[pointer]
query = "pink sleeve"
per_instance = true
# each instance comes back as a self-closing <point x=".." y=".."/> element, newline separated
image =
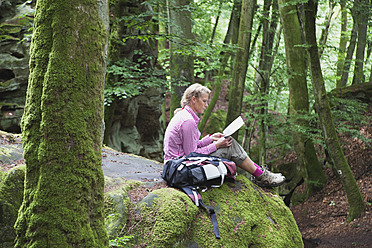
<point x="190" y="140"/>
<point x="207" y="149"/>
<point x="204" y="141"/>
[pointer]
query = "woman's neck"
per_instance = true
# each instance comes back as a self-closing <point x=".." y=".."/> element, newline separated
<point x="192" y="108"/>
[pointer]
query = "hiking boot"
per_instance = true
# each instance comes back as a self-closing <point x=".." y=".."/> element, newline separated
<point x="269" y="179"/>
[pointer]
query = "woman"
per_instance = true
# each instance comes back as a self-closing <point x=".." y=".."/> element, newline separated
<point x="182" y="137"/>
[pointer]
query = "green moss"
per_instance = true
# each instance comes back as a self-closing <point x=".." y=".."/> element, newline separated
<point x="116" y="214"/>
<point x="11" y="195"/>
<point x="251" y="217"/>
<point x="247" y="217"/>
<point x="117" y="205"/>
<point x="166" y="215"/>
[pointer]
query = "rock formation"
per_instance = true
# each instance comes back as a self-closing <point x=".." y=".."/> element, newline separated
<point x="135" y="124"/>
<point x="16" y="20"/>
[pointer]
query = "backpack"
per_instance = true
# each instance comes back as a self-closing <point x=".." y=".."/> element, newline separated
<point x="196" y="171"/>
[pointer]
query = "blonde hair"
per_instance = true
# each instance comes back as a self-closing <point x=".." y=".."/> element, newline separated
<point x="196" y="90"/>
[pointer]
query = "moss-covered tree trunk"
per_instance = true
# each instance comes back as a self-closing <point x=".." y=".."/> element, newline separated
<point x="237" y="84"/>
<point x="355" y="200"/>
<point x="182" y="59"/>
<point x="61" y="127"/>
<point x="310" y="166"/>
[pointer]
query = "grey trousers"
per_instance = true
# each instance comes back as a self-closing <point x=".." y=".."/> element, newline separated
<point x="235" y="153"/>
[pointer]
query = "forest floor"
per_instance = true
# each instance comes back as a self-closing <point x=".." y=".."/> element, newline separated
<point x="322" y="218"/>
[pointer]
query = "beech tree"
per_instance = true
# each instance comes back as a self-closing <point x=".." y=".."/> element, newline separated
<point x="309" y="164"/>
<point x="355" y="200"/>
<point x="63" y="203"/>
<point x="230" y="33"/>
<point x="360" y="11"/>
<point x="181" y="63"/>
<point x="237" y="84"/>
<point x="264" y="69"/>
<point x="342" y="43"/>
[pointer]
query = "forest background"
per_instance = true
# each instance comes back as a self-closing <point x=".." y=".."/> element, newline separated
<point x="274" y="61"/>
<point x="299" y="72"/>
<point x="270" y="54"/>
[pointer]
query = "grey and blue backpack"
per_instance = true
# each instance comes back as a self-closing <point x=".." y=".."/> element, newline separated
<point x="199" y="171"/>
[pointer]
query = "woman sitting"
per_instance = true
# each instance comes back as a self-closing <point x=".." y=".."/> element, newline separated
<point x="182" y="136"/>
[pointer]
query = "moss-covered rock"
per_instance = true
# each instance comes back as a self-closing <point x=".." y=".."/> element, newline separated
<point x="117" y="204"/>
<point x="247" y="217"/>
<point x="11" y="195"/>
<point x="164" y="218"/>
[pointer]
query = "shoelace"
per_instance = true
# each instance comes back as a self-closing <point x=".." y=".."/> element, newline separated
<point x="265" y="167"/>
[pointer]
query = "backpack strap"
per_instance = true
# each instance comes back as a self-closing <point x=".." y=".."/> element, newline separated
<point x="195" y="196"/>
<point x="221" y="174"/>
<point x="213" y="216"/>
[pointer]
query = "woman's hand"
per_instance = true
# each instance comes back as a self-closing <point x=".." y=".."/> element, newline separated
<point x="223" y="142"/>
<point x="216" y="136"/>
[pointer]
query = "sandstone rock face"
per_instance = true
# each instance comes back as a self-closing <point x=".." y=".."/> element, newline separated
<point x="136" y="125"/>
<point x="16" y="20"/>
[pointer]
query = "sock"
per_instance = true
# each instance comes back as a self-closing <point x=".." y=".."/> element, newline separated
<point x="258" y="171"/>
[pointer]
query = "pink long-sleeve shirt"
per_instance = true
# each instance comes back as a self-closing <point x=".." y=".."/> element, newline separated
<point x="182" y="136"/>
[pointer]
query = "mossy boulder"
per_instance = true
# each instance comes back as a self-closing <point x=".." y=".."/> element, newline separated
<point x="247" y="216"/>
<point x="11" y="195"/>
<point x="117" y="204"/>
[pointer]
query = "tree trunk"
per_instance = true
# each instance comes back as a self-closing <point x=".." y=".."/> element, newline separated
<point x="361" y="8"/>
<point x="237" y="84"/>
<point x="342" y="44"/>
<point x="355" y="200"/>
<point x="219" y="81"/>
<point x="63" y="203"/>
<point x="349" y="55"/>
<point x="264" y="69"/>
<point x="325" y="31"/>
<point x="181" y="64"/>
<point x="310" y="166"/>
